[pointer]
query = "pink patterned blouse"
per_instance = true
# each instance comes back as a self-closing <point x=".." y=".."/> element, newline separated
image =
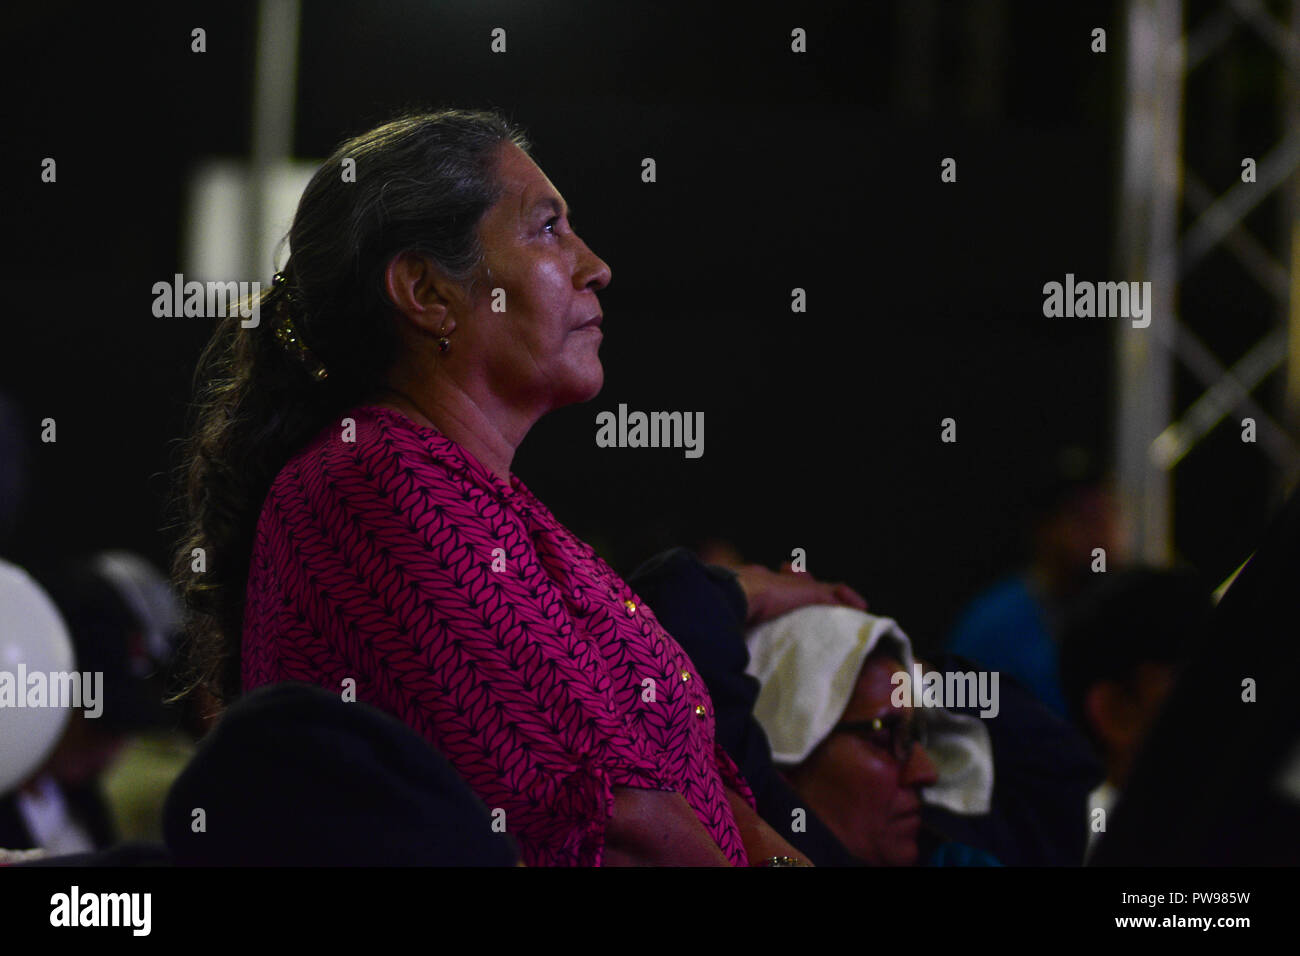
<point x="461" y="605"/>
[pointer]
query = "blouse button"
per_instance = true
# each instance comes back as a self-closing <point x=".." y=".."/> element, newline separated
<point x="686" y="675"/>
<point x="631" y="606"/>
<point x="700" y="711"/>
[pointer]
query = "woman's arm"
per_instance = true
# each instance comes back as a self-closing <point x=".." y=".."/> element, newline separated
<point x="772" y="593"/>
<point x="704" y="609"/>
<point x="657" y="828"/>
<point x="761" y="841"/>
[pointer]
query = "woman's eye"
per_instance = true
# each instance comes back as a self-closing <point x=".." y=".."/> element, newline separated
<point x="550" y="223"/>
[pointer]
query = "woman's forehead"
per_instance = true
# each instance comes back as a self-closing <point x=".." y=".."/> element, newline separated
<point x="525" y="183"/>
<point x="873" y="688"/>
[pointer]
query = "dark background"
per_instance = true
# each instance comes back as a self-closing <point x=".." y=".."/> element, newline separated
<point x="775" y="170"/>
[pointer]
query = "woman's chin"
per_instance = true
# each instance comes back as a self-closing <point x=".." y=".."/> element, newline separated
<point x="582" y="388"/>
<point x="594" y="381"/>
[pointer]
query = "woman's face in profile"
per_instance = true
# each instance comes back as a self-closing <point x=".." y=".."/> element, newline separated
<point x="541" y="352"/>
<point x="869" y="799"/>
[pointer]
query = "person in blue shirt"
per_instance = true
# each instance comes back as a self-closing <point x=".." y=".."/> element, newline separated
<point x="1014" y="627"/>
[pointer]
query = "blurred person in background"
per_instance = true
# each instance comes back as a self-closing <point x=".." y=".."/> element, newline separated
<point x="293" y="775"/>
<point x="33" y="640"/>
<point x="1122" y="651"/>
<point x="1014" y="627"/>
<point x="1044" y="768"/>
<point x="1216" y="781"/>
<point x="136" y="784"/>
<point x="862" y="761"/>
<point x="866" y="777"/>
<point x="121" y="617"/>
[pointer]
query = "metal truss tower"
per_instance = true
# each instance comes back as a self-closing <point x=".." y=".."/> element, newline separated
<point x="1162" y="50"/>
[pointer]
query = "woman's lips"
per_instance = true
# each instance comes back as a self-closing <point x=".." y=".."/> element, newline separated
<point x="910" y="815"/>
<point x="909" y="822"/>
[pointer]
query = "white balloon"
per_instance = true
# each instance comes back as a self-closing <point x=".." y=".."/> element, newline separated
<point x="31" y="634"/>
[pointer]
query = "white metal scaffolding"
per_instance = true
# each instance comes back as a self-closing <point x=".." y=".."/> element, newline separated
<point x="1155" y="184"/>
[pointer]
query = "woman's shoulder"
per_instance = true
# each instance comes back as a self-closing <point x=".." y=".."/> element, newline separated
<point x="378" y="447"/>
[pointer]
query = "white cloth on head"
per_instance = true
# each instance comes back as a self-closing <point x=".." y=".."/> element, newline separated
<point x="807" y="663"/>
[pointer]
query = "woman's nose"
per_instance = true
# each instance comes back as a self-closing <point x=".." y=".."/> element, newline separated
<point x="919" y="771"/>
<point x="593" y="272"/>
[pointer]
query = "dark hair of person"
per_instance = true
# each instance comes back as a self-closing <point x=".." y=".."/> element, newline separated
<point x="422" y="183"/>
<point x="1132" y="617"/>
<point x="1057" y="483"/>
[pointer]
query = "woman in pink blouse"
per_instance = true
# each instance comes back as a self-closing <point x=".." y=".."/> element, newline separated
<point x="353" y="521"/>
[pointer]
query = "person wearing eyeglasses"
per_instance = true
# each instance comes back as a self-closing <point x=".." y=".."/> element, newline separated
<point x="865" y="778"/>
<point x="864" y="762"/>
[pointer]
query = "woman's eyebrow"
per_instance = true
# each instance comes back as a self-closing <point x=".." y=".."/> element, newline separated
<point x="555" y="206"/>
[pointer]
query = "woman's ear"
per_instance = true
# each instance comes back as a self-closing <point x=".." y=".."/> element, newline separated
<point x="417" y="290"/>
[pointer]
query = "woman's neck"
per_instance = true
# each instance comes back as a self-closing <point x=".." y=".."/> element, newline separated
<point x="454" y="413"/>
